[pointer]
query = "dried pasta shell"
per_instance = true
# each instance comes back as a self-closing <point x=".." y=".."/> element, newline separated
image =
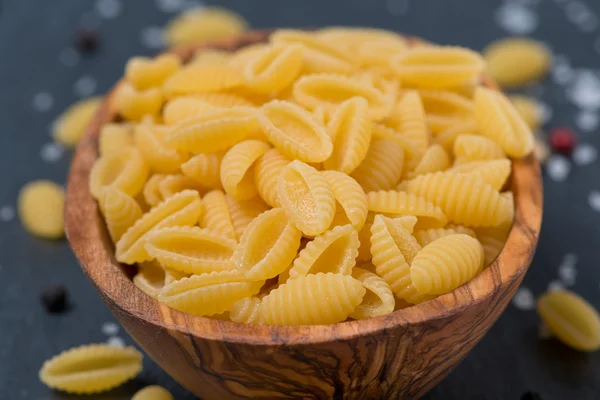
<point x="114" y="138"/>
<point x="529" y="109"/>
<point x="91" y="369"/>
<point x="266" y="175"/>
<point x="475" y="147"/>
<point x="312" y="300"/>
<point x="120" y="211"/>
<point x="158" y="154"/>
<point x="268" y="245"/>
<point x="202" y="78"/>
<point x="464" y="198"/>
<point x="182" y="108"/>
<point x="571" y="319"/>
<point x="438" y="67"/>
<point x="144" y="73"/>
<point x="214" y="131"/>
<point x="378" y="299"/>
<point x="426" y="236"/>
<point x="446" y="263"/>
<point x="208" y="294"/>
<point x="447" y="137"/>
<point x="314" y="90"/>
<point x="435" y="159"/>
<point x="350" y="197"/>
<point x="125" y="170"/>
<point x="445" y="108"/>
<point x="211" y="57"/>
<point x="498" y="120"/>
<point x="275" y="68"/>
<point x="134" y="104"/>
<point x="41" y="205"/>
<point x="173" y="184"/>
<point x="153" y="392"/>
<point x="223" y="100"/>
<point x="179" y="210"/>
<point x="382" y="167"/>
<point x="246" y="311"/>
<point x="294" y="132"/>
<point x="72" y="123"/>
<point x="334" y="251"/>
<point x="379" y="51"/>
<point x="399" y="203"/>
<point x="151" y="193"/>
<point x="217" y="218"/>
<point x="190" y="249"/>
<point x="493" y="172"/>
<point x="493" y="240"/>
<point x="237" y="176"/>
<point x="412" y="151"/>
<point x="350" y="127"/>
<point x="150" y="278"/>
<point x="306" y="197"/>
<point x="205" y="168"/>
<point x="242" y="213"/>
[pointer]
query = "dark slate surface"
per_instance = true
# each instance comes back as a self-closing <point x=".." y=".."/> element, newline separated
<point x="508" y="362"/>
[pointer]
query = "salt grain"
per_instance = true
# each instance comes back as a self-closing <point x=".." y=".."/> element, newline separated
<point x="587" y="120"/>
<point x="585" y="90"/>
<point x="7" y="213"/>
<point x="52" y="152"/>
<point x="524" y="299"/>
<point x="68" y="57"/>
<point x="558" y="168"/>
<point x="585" y="154"/>
<point x="108" y="9"/>
<point x="116" y="341"/>
<point x="567" y="274"/>
<point x="397" y="7"/>
<point x="562" y="72"/>
<point x="516" y="19"/>
<point x="152" y="37"/>
<point x="545" y="111"/>
<point x="110" y="328"/>
<point x="85" y="86"/>
<point x="577" y="12"/>
<point x="594" y="200"/>
<point x="42" y="101"/>
<point x="555" y="286"/>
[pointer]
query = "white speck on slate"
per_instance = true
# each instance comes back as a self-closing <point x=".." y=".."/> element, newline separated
<point x="577" y="12"/>
<point x="589" y="24"/>
<point x="152" y="37"/>
<point x="85" y="86"/>
<point x="585" y="154"/>
<point x="52" y="152"/>
<point x="43" y="101"/>
<point x="108" y="9"/>
<point x="585" y="90"/>
<point x="524" y="299"/>
<point x="562" y="72"/>
<point x="170" y="6"/>
<point x="545" y="111"/>
<point x="544" y="332"/>
<point x="567" y="274"/>
<point x="516" y="19"/>
<point x="555" y="286"/>
<point x="558" y="168"/>
<point x="90" y="20"/>
<point x="116" y="341"/>
<point x="594" y="200"/>
<point x="7" y="213"/>
<point x="69" y="57"/>
<point x="110" y="328"/>
<point x="397" y="7"/>
<point x="587" y="120"/>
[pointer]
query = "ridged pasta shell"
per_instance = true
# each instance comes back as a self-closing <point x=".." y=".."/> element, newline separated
<point x="205" y="168"/>
<point x="443" y="109"/>
<point x="202" y="79"/>
<point x="237" y="176"/>
<point x="312" y="300"/>
<point x="426" y="236"/>
<point x="145" y="73"/>
<point x="216" y="217"/>
<point x="182" y="108"/>
<point x="173" y="184"/>
<point x="114" y="138"/>
<point x="134" y="104"/>
<point x="242" y="213"/>
<point x="493" y="172"/>
<point x="245" y="311"/>
<point x="153" y="392"/>
<point x="266" y="175"/>
<point x="382" y="167"/>
<point x="401" y="203"/>
<point x="150" y="278"/>
<point x="91" y="369"/>
<point x="350" y="197"/>
<point x="161" y="157"/>
<point x="126" y="170"/>
<point x="475" y="148"/>
<point x="120" y="211"/>
<point x="378" y="299"/>
<point x="41" y="209"/>
<point x="446" y="263"/>
<point x="435" y="159"/>
<point x="493" y="240"/>
<point x="274" y="68"/>
<point x="447" y="137"/>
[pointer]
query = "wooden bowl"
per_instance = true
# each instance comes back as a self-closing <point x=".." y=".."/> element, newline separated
<point x="401" y="355"/>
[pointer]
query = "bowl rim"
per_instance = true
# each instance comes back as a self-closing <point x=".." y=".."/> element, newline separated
<point x="89" y="240"/>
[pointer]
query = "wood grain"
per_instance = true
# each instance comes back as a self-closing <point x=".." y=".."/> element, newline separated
<point x="398" y="356"/>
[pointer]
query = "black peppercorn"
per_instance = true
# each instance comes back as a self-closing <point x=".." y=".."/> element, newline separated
<point x="54" y="298"/>
<point x="87" y="40"/>
<point x="531" y="396"/>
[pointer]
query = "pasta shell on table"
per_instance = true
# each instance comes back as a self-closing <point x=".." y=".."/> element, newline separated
<point x="455" y="195"/>
<point x="350" y="127"/>
<point x="144" y="73"/>
<point x="306" y="197"/>
<point x="134" y="104"/>
<point x="41" y="209"/>
<point x="91" y="368"/>
<point x="208" y="294"/>
<point x="470" y="147"/>
<point x="266" y="175"/>
<point x="181" y="209"/>
<point x="378" y="299"/>
<point x="125" y="170"/>
<point x="246" y="311"/>
<point x="156" y="152"/>
<point x="444" y="109"/>
<point x="275" y="68"/>
<point x="237" y="176"/>
<point x="434" y="159"/>
<point x="120" y="211"/>
<point x="447" y="137"/>
<point x="331" y="90"/>
<point x="214" y="131"/>
<point x="268" y="246"/>
<point x="294" y="132"/>
<point x="382" y="167"/>
<point x="314" y="299"/>
<point x="190" y="250"/>
<point x="182" y="108"/>
<point x="334" y="251"/>
<point x="446" y="263"/>
<point x="426" y="236"/>
<point x="216" y="217"/>
<point x="493" y="172"/>
<point x="205" y="168"/>
<point x="71" y="125"/>
<point x="196" y="78"/>
<point x="438" y="67"/>
<point x="114" y="138"/>
<point x="498" y="120"/>
<point x="242" y="212"/>
<point x="397" y="203"/>
<point x="350" y="197"/>
<point x="153" y="392"/>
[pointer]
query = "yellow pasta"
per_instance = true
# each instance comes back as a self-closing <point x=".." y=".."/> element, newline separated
<point x="40" y="205"/>
<point x="125" y="170"/>
<point x="294" y="132"/>
<point x="179" y="210"/>
<point x="114" y="138"/>
<point x="150" y="278"/>
<point x="529" y="109"/>
<point x="135" y="104"/>
<point x="438" y="67"/>
<point x="382" y="167"/>
<point x="571" y="319"/>
<point x="182" y="108"/>
<point x="216" y="217"/>
<point x="214" y="131"/>
<point x="463" y="198"/>
<point x="426" y="236"/>
<point x="211" y="57"/>
<point x="208" y="294"/>
<point x="474" y="148"/>
<point x="91" y="369"/>
<point x="151" y="192"/>
<point x="445" y="108"/>
<point x="242" y="212"/>
<point x="447" y="137"/>
<point x="120" y="211"/>
<point x="514" y="62"/>
<point x="197" y="79"/>
<point x="159" y="155"/>
<point x="492" y="239"/>
<point x="351" y="199"/>
<point x="306" y="197"/>
<point x="246" y="311"/>
<point x="275" y="68"/>
<point x="266" y="175"/>
<point x="312" y="300"/>
<point x="144" y="73"/>
<point x="153" y="392"/>
<point x="190" y="250"/>
<point x="397" y="203"/>
<point x="205" y="168"/>
<point x="493" y="172"/>
<point x="72" y="123"/>
<point x="350" y="127"/>
<point x="378" y="299"/>
<point x="173" y="184"/>
<point x="268" y="245"/>
<point x="334" y="251"/>
<point x="237" y="176"/>
<point x="434" y="159"/>
<point x="498" y="120"/>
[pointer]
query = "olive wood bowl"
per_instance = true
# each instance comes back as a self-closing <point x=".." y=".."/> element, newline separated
<point x="400" y="355"/>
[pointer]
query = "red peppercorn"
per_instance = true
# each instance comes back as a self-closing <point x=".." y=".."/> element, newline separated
<point x="563" y="140"/>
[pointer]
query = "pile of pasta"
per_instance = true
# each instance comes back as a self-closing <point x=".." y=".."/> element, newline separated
<point x="319" y="177"/>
